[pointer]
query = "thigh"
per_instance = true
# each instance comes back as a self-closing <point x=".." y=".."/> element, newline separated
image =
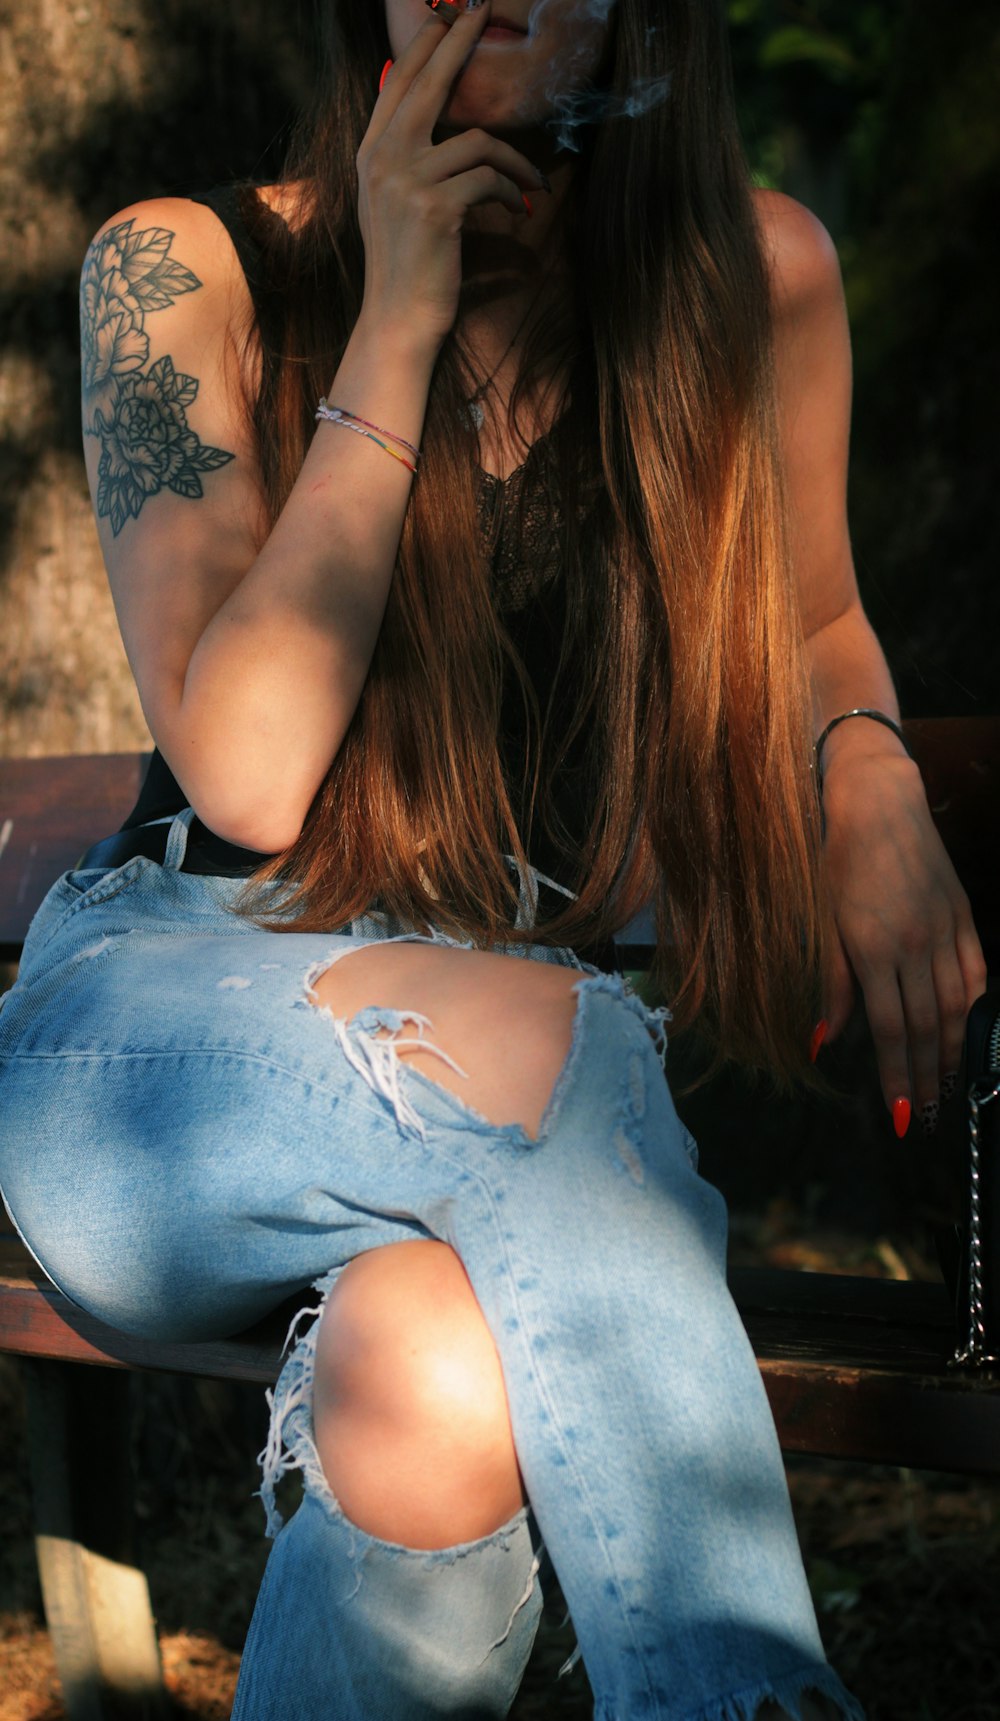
<point x="185" y="1143"/>
<point x="179" y="1127"/>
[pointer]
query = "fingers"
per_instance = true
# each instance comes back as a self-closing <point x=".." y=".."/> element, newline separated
<point x="921" y="1011"/>
<point x="918" y="1023"/>
<point x="838" y="994"/>
<point x="476" y="148"/>
<point x="908" y="936"/>
<point x="887" y="1020"/>
<point x="422" y="77"/>
<point x="486" y="185"/>
<point x="954" y="1000"/>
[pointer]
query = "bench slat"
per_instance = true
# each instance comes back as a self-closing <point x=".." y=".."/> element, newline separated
<point x="37" y="1320"/>
<point x="50" y="811"/>
<point x="853" y="1367"/>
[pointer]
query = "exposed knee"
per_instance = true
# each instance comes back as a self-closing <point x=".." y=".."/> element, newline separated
<point x="410" y="1411"/>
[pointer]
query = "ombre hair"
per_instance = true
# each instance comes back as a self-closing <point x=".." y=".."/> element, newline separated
<point x="682" y="662"/>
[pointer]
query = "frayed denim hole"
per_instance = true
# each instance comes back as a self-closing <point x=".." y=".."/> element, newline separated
<point x="371" y="1038"/>
<point x="522" y="1602"/>
<point x="450" y="1106"/>
<point x="392" y="1077"/>
<point x="449" y="1111"/>
<point x="615" y="986"/>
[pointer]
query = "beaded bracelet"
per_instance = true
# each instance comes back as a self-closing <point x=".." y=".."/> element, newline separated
<point x="859" y="711"/>
<point x="361" y="427"/>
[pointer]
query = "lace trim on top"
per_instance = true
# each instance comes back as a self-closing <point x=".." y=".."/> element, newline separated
<point x="526" y="560"/>
<point x="520" y="521"/>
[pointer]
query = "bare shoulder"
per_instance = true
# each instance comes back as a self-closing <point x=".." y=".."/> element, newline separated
<point x="152" y="257"/>
<point x="161" y="293"/>
<point x="161" y="243"/>
<point x="803" y="261"/>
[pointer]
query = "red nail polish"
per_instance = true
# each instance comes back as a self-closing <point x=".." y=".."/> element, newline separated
<point x="386" y="69"/>
<point x="527" y="205"/>
<point x="901" y="1110"/>
<point x="819" y="1035"/>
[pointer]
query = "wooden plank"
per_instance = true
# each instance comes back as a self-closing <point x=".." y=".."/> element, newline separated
<point x="40" y="1322"/>
<point x="36" y="1320"/>
<point x="813" y="1317"/>
<point x="96" y="1597"/>
<point x="924" y="1424"/>
<point x="853" y="1367"/>
<point x="50" y="811"/>
<point x="861" y="1368"/>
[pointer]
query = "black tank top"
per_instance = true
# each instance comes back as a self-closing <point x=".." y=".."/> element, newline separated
<point x="520" y="530"/>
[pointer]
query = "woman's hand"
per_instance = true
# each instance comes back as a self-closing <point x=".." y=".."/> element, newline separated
<point x="414" y="195"/>
<point x="906" y="930"/>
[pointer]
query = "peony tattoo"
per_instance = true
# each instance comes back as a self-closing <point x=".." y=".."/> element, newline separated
<point x="139" y="415"/>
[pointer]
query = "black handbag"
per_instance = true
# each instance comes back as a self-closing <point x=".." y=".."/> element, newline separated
<point x="978" y="1300"/>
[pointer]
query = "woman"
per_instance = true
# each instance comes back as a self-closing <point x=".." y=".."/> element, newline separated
<point x="537" y="622"/>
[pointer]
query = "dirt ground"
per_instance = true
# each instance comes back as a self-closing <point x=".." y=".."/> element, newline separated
<point x="904" y="1567"/>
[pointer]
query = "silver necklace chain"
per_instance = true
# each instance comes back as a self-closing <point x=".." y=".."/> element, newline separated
<point x="473" y="406"/>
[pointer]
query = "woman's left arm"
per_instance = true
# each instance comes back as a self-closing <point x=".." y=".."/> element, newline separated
<point x="906" y="930"/>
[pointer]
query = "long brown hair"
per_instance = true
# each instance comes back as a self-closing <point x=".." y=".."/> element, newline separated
<point x="682" y="662"/>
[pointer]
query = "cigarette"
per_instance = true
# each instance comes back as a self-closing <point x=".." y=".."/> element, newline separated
<point x="446" y="10"/>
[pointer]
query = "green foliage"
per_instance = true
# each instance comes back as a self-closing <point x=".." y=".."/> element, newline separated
<point x="810" y="82"/>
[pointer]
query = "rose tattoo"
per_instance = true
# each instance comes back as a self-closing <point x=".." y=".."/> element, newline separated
<point x="139" y="416"/>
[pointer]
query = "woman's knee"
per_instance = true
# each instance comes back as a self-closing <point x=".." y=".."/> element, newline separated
<point x="410" y="1411"/>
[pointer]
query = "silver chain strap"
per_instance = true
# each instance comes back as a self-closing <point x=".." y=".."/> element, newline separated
<point x="975" y="1354"/>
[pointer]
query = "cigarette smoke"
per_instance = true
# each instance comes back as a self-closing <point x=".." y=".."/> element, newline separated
<point x="574" y="100"/>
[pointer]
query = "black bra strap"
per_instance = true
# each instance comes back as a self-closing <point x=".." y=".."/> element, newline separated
<point x="225" y="201"/>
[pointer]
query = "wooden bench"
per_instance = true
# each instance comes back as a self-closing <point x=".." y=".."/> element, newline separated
<point x="854" y="1367"/>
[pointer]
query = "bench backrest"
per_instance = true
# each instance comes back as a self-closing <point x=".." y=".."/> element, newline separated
<point x="52" y="809"/>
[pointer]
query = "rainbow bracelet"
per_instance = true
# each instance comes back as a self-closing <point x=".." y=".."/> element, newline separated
<point x="362" y="427"/>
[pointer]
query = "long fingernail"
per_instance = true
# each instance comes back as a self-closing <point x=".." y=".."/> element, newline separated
<point x="527" y="204"/>
<point x="386" y="69"/>
<point x="819" y="1034"/>
<point x="948" y="1085"/>
<point x="929" y="1115"/>
<point x="901" y="1113"/>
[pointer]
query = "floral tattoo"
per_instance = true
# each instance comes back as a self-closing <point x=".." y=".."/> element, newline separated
<point x="139" y="415"/>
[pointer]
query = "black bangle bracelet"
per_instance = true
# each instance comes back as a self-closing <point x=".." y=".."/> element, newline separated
<point x="860" y="711"/>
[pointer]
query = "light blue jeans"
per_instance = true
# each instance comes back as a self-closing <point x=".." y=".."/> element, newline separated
<point x="187" y="1140"/>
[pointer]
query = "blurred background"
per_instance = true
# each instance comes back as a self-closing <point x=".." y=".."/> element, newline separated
<point x="882" y="116"/>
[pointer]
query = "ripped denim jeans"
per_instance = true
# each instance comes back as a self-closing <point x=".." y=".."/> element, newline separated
<point x="188" y="1141"/>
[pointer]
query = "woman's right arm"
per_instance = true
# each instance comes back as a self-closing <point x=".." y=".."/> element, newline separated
<point x="249" y="662"/>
